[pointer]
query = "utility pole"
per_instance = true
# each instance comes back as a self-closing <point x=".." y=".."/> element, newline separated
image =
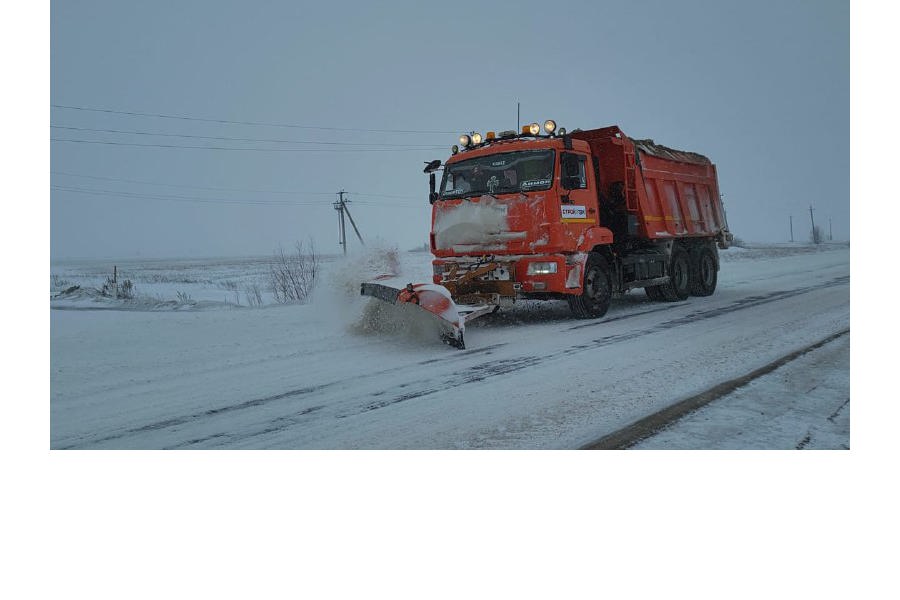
<point x="791" y="217"/>
<point x="340" y="205"/>
<point x="518" y="118"/>
<point x="811" y="220"/>
<point x="830" y="238"/>
<point x="342" y="232"/>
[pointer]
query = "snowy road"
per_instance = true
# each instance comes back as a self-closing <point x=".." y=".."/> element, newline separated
<point x="756" y="415"/>
<point x="295" y="377"/>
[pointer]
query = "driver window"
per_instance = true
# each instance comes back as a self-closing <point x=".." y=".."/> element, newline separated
<point x="574" y="175"/>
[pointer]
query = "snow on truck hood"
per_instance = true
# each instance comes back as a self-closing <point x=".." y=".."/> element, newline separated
<point x="472" y="224"/>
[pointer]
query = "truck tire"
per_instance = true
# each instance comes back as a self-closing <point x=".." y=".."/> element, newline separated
<point x="679" y="286"/>
<point x="594" y="300"/>
<point x="703" y="272"/>
<point x="653" y="292"/>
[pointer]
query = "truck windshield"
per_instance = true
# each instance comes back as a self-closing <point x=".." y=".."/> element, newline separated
<point x="499" y="174"/>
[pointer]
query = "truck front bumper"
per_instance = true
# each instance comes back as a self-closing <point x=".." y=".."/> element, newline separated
<point x="510" y="276"/>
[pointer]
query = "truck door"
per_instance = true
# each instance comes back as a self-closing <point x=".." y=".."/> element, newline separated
<point x="578" y="196"/>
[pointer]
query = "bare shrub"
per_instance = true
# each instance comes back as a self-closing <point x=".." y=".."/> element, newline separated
<point x="113" y="289"/>
<point x="183" y="297"/>
<point x="253" y="294"/>
<point x="109" y="288"/>
<point x="292" y="277"/>
<point x="126" y="290"/>
<point x="58" y="283"/>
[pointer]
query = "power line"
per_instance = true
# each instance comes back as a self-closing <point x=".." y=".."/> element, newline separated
<point x="78" y="141"/>
<point x="239" y="139"/>
<point x="385" y="196"/>
<point x="223" y="189"/>
<point x="230" y="122"/>
<point x="205" y="200"/>
<point x="176" y="198"/>
<point x="193" y="187"/>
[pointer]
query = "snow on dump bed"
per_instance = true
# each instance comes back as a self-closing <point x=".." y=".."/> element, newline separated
<point x="653" y="149"/>
<point x="470" y="223"/>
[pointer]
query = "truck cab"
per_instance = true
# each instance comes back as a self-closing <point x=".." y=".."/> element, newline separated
<point x="514" y="217"/>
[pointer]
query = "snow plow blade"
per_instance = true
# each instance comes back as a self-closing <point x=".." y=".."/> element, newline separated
<point x="434" y="299"/>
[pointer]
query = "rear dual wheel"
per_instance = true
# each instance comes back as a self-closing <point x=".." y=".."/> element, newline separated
<point x="693" y="274"/>
<point x="704" y="275"/>
<point x="679" y="285"/>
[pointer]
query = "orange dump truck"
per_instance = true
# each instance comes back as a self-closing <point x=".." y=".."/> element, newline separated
<point x="546" y="214"/>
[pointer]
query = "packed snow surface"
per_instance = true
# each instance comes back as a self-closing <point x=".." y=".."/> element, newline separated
<point x="206" y="370"/>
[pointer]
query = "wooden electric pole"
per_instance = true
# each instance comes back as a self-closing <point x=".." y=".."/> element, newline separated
<point x="341" y="206"/>
<point x="342" y="232"/>
<point x="815" y="235"/>
<point x="791" y="217"/>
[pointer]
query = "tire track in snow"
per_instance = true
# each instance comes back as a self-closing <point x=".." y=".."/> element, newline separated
<point x="475" y="374"/>
<point x="286" y="422"/>
<point x="834" y="415"/>
<point x="747" y="302"/>
<point x="248" y="404"/>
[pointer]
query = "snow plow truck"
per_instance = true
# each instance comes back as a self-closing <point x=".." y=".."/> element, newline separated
<point x="543" y="213"/>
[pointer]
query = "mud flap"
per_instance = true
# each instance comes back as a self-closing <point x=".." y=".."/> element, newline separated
<point x="433" y="299"/>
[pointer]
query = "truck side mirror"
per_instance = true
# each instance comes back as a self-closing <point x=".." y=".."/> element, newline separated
<point x="432" y="195"/>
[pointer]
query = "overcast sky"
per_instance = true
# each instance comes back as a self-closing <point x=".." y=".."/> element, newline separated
<point x="761" y="88"/>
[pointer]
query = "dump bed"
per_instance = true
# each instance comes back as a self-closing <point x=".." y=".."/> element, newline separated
<point x="670" y="193"/>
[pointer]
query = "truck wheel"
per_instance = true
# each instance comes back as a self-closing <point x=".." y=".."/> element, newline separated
<point x="703" y="273"/>
<point x="679" y="286"/>
<point x="593" y="302"/>
<point x="653" y="292"/>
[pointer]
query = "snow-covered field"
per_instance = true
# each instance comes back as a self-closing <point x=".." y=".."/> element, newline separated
<point x="189" y="363"/>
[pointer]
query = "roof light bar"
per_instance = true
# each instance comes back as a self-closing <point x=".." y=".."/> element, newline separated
<point x="469" y="140"/>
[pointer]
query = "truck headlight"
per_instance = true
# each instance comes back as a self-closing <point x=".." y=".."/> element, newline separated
<point x="549" y="125"/>
<point x="534" y="128"/>
<point x="476" y="138"/>
<point x="541" y="268"/>
<point x="464" y="140"/>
